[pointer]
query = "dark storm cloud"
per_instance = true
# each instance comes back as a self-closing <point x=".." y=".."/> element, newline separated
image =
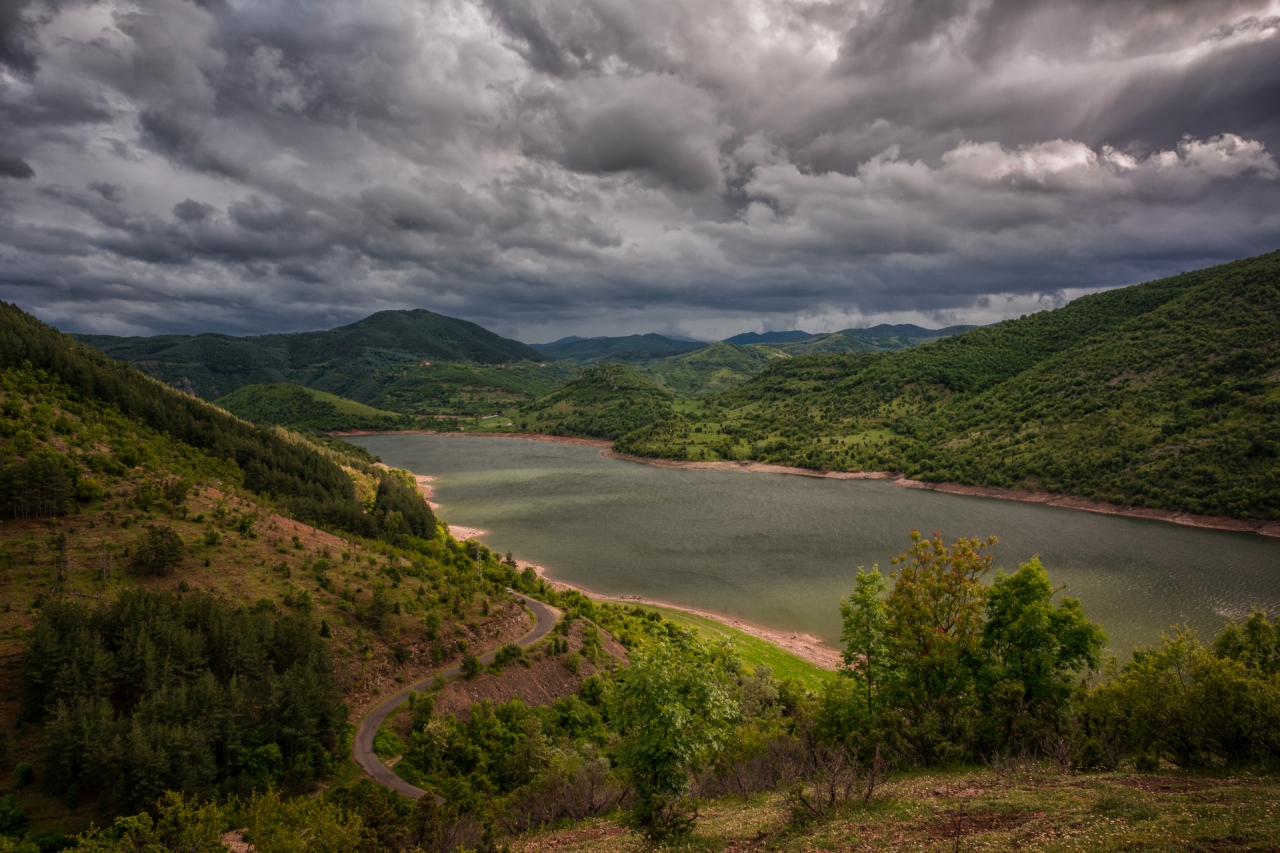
<point x="548" y="167"/>
<point x="15" y="167"/>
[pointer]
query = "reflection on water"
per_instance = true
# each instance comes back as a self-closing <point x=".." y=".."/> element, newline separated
<point x="781" y="550"/>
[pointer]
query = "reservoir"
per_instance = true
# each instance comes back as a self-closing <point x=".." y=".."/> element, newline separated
<point x="782" y="550"/>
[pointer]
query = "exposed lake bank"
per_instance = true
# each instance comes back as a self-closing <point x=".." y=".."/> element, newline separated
<point x="780" y="552"/>
<point x="804" y="646"/>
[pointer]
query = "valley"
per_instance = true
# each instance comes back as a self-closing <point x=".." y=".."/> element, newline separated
<point x="210" y="584"/>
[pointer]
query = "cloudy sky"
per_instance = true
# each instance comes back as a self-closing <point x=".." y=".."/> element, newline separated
<point x="554" y="167"/>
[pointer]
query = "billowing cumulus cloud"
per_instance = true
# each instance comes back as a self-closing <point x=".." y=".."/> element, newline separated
<point x="548" y="167"/>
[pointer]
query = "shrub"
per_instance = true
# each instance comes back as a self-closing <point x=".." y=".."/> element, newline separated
<point x="158" y="551"/>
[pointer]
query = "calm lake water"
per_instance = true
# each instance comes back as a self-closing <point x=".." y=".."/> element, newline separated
<point x="781" y="550"/>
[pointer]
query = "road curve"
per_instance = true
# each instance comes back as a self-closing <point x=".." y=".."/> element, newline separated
<point x="545" y="618"/>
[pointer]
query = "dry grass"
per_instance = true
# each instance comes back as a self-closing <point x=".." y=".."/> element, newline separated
<point x="1039" y="810"/>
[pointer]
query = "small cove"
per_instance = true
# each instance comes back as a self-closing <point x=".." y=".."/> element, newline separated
<point x="781" y="550"/>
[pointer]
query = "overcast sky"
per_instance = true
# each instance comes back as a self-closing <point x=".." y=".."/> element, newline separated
<point x="617" y="166"/>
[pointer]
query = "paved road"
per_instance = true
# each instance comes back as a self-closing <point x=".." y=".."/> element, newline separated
<point x="545" y="618"/>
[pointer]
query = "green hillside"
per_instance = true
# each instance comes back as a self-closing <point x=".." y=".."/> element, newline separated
<point x="629" y="348"/>
<point x="189" y="599"/>
<point x="606" y="401"/>
<point x="881" y="338"/>
<point x="1163" y="394"/>
<point x="286" y="404"/>
<point x="716" y="368"/>
<point x="460" y="388"/>
<point x="354" y="361"/>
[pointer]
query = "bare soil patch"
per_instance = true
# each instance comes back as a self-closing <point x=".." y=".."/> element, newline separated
<point x="959" y="823"/>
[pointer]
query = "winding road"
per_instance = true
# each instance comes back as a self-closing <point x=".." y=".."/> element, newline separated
<point x="544" y="617"/>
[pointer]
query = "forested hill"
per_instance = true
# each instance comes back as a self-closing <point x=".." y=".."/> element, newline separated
<point x="628" y="348"/>
<point x="344" y="361"/>
<point x="1164" y="394"/>
<point x="607" y="401"/>
<point x="299" y="478"/>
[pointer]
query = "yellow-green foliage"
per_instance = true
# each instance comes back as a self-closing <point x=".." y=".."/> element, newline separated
<point x="753" y="651"/>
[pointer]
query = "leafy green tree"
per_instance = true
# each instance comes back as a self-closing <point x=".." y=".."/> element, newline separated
<point x="277" y="824"/>
<point x="935" y="617"/>
<point x="403" y="509"/>
<point x="1254" y="642"/>
<point x="868" y="657"/>
<point x="1183" y="703"/>
<point x="380" y="607"/>
<point x="675" y="709"/>
<point x="181" y="825"/>
<point x="1033" y="653"/>
<point x="158" y="551"/>
<point x="13" y="819"/>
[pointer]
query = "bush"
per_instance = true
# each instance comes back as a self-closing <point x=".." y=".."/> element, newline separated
<point x="508" y="653"/>
<point x="159" y="551"/>
<point x="13" y="820"/>
<point x="23" y="774"/>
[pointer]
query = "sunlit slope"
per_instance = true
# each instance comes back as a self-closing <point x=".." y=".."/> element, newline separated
<point x="286" y="404"/>
<point x="607" y="401"/>
<point x="1163" y="394"/>
<point x="465" y="388"/>
<point x="882" y="338"/>
<point x="716" y="368"/>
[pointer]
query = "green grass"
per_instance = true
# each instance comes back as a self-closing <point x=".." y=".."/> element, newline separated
<point x="752" y="650"/>
<point x="1034" y="808"/>
<point x="290" y="405"/>
<point x="349" y="407"/>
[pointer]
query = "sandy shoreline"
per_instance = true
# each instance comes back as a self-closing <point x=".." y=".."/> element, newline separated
<point x="1186" y="519"/>
<point x="804" y="646"/>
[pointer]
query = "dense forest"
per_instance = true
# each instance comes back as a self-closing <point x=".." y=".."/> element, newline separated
<point x="311" y="485"/>
<point x="161" y="692"/>
<point x="1161" y="395"/>
<point x="607" y="401"/>
<point x="346" y="361"/>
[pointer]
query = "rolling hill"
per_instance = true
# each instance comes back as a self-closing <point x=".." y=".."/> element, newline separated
<point x="710" y="370"/>
<point x="191" y="599"/>
<point x="351" y="361"/>
<point x="1163" y="394"/>
<point x="606" y="401"/>
<point x="629" y="348"/>
<point x="299" y="407"/>
<point x="768" y="338"/>
<point x="882" y="338"/>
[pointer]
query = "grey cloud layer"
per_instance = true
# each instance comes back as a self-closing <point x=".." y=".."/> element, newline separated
<point x="603" y="166"/>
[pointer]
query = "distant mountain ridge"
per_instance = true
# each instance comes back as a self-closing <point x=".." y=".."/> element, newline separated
<point x="626" y="348"/>
<point x="343" y="361"/>
<point x="905" y="330"/>
<point x="768" y="337"/>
